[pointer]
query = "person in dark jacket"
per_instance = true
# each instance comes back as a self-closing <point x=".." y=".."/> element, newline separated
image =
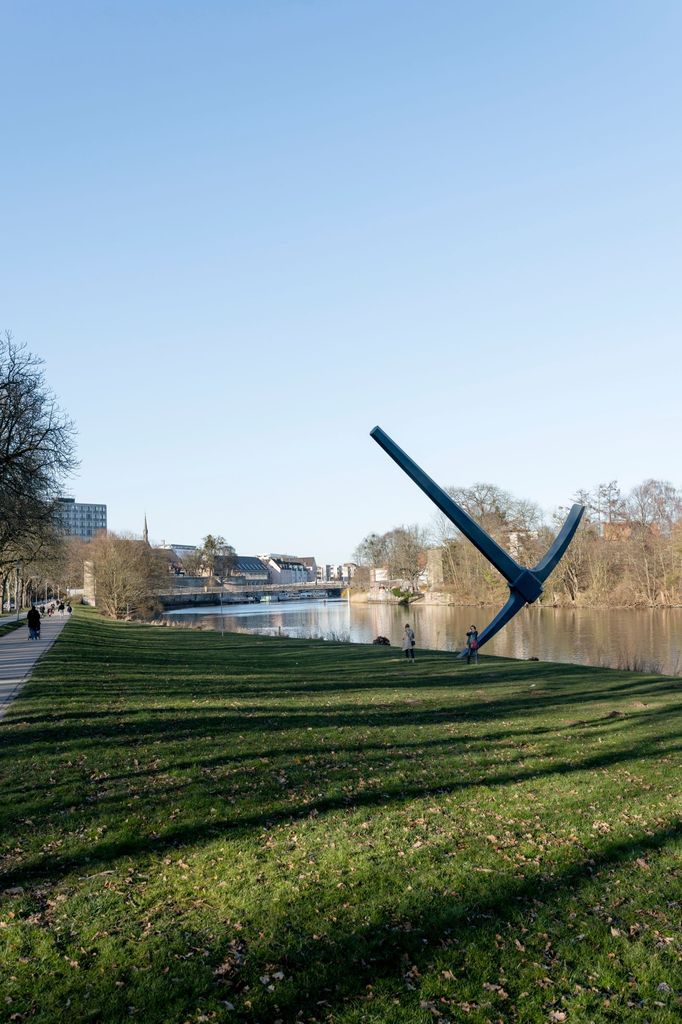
<point x="472" y="645"/>
<point x="33" y="621"/>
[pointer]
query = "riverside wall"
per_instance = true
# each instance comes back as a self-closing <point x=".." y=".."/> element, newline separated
<point x="435" y="598"/>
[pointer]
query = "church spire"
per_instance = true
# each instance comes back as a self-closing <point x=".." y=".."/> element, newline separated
<point x="145" y="532"/>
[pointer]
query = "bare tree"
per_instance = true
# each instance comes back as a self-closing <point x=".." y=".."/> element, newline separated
<point x="406" y="550"/>
<point x="128" y="574"/>
<point x="372" y="551"/>
<point x="655" y="503"/>
<point x="36" y="454"/>
<point x="612" y="506"/>
<point x="192" y="563"/>
<point x="496" y="510"/>
<point x="402" y="551"/>
<point x="605" y="504"/>
<point x="361" y="578"/>
<point x="573" y="571"/>
<point x="637" y="562"/>
<point x="513" y="522"/>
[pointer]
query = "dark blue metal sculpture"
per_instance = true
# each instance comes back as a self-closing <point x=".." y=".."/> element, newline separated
<point x="525" y="585"/>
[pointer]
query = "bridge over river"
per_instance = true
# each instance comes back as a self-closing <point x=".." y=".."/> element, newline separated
<point x="187" y="597"/>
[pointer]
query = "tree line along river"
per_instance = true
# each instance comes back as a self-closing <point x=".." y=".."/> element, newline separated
<point x="615" y="638"/>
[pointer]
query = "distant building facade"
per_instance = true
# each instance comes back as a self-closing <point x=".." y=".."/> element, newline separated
<point x="311" y="565"/>
<point x="79" y="519"/>
<point x="289" y="568"/>
<point x="336" y="573"/>
<point x="179" y="550"/>
<point x="249" y="569"/>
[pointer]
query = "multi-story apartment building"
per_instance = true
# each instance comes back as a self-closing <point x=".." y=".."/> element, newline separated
<point x="336" y="573"/>
<point x="289" y="568"/>
<point x="82" y="520"/>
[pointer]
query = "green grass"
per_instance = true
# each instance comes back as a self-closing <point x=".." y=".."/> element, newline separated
<point x="9" y="625"/>
<point x="196" y="828"/>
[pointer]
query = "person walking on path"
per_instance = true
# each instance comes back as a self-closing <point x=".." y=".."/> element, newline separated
<point x="33" y="621"/>
<point x="472" y="645"/>
<point x="408" y="642"/>
<point x="17" y="658"/>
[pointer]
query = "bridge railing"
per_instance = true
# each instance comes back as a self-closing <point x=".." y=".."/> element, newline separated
<point x="261" y="588"/>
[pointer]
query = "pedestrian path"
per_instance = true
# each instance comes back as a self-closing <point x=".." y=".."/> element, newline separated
<point x="18" y="655"/>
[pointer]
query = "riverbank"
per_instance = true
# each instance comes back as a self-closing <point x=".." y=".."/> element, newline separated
<point x="454" y="599"/>
<point x="647" y="641"/>
<point x="206" y="828"/>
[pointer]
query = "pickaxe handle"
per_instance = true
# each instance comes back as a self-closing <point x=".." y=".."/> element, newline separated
<point x="525" y="584"/>
<point x="502" y="561"/>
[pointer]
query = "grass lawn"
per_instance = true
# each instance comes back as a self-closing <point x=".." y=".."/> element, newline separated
<point x="196" y="828"/>
<point x="9" y="625"/>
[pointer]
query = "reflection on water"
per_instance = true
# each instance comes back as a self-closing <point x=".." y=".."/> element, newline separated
<point x="619" y="638"/>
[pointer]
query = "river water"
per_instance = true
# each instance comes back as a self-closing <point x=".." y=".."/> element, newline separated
<point x="618" y="638"/>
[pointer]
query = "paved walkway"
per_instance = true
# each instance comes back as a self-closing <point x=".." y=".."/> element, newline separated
<point x="18" y="655"/>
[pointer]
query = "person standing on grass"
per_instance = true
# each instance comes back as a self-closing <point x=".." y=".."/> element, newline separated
<point x="408" y="642"/>
<point x="472" y="645"/>
<point x="33" y="622"/>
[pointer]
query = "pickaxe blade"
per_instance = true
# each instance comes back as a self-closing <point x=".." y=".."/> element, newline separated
<point x="525" y="584"/>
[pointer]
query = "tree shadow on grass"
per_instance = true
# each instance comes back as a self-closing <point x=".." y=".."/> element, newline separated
<point x="186" y="719"/>
<point x="379" y="950"/>
<point x="509" y="740"/>
<point x="500" y="718"/>
<point x="516" y="737"/>
<point x="192" y="969"/>
<point x="104" y="853"/>
<point x="143" y="830"/>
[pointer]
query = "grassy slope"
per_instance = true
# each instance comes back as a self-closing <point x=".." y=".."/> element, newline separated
<point x="204" y="829"/>
<point x="8" y="626"/>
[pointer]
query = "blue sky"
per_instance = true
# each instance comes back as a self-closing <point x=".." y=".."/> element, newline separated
<point x="242" y="234"/>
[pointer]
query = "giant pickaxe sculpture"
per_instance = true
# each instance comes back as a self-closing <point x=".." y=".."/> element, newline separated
<point x="525" y="585"/>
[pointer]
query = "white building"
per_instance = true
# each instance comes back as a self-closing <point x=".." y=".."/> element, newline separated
<point x="288" y="568"/>
<point x="336" y="573"/>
